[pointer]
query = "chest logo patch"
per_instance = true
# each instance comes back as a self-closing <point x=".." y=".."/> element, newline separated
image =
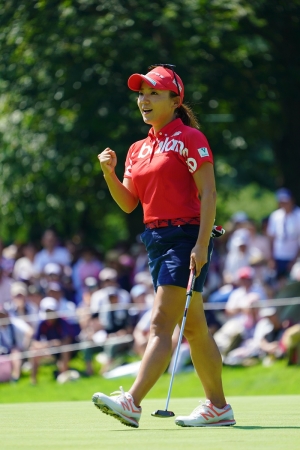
<point x="203" y="151"/>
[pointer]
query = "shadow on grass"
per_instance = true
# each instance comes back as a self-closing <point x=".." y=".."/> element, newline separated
<point x="189" y="428"/>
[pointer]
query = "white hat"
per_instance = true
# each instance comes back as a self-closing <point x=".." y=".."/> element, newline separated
<point x="108" y="274"/>
<point x="138" y="290"/>
<point x="267" y="312"/>
<point x="52" y="269"/>
<point x="18" y="288"/>
<point x="48" y="303"/>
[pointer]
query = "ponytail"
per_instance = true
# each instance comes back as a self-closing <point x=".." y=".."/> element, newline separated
<point x="186" y="114"/>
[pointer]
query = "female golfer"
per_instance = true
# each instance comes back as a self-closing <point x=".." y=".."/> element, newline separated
<point x="171" y="174"/>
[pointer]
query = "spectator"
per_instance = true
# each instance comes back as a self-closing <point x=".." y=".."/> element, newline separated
<point x="284" y="232"/>
<point x="51" y="332"/>
<point x="108" y="278"/>
<point x="7" y="258"/>
<point x="138" y="294"/>
<point x="15" y="337"/>
<point x="64" y="306"/>
<point x="237" y="300"/>
<point x="271" y="344"/>
<point x="88" y="265"/>
<point x="110" y="328"/>
<point x="51" y="253"/>
<point x="5" y="288"/>
<point x="235" y="328"/>
<point x="24" y="268"/>
<point x="21" y="306"/>
<point x="239" y="254"/>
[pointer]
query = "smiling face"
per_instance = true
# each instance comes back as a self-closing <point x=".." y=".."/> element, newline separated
<point x="156" y="106"/>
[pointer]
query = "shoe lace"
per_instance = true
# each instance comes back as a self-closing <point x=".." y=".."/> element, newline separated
<point x="120" y="393"/>
<point x="199" y="409"/>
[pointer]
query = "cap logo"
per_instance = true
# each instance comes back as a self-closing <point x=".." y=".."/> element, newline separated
<point x="158" y="75"/>
<point x="150" y="79"/>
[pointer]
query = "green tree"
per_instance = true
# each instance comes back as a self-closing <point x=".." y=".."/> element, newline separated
<point x="64" y="97"/>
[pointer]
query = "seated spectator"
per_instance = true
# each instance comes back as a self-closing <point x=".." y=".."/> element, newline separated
<point x="138" y="294"/>
<point x="15" y="337"/>
<point x="50" y="253"/>
<point x="21" y="306"/>
<point x="51" y="332"/>
<point x="240" y="322"/>
<point x="238" y="300"/>
<point x="291" y="342"/>
<point x="239" y="255"/>
<point x="141" y="334"/>
<point x="88" y="265"/>
<point x="109" y="327"/>
<point x="7" y="258"/>
<point x="23" y="267"/>
<point x="64" y="306"/>
<point x="108" y="278"/>
<point x="271" y="344"/>
<point x="5" y="288"/>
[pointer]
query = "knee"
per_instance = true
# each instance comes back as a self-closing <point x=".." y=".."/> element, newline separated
<point x="161" y="325"/>
<point x="199" y="332"/>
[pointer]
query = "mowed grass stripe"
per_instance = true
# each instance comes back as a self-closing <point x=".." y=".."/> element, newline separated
<point x="263" y="422"/>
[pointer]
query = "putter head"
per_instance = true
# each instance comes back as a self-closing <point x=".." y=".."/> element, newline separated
<point x="162" y="413"/>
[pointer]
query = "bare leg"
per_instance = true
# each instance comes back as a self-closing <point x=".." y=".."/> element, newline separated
<point x="167" y="311"/>
<point x="204" y="352"/>
<point x="168" y="308"/>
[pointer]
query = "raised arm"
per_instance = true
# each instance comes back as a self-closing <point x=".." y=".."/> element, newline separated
<point x="124" y="194"/>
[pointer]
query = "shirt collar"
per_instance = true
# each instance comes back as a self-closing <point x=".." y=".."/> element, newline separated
<point x="167" y="130"/>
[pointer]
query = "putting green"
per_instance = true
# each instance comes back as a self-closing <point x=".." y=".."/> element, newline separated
<point x="264" y="422"/>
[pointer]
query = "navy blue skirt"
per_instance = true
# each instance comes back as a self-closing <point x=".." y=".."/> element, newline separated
<point x="169" y="251"/>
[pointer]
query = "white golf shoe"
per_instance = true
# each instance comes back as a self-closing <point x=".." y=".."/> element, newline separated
<point x="207" y="415"/>
<point x="120" y="406"/>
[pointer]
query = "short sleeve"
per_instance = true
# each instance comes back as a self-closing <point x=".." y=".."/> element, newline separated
<point x="198" y="150"/>
<point x="128" y="164"/>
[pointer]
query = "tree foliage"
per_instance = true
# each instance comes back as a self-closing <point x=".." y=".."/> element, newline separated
<point x="64" y="66"/>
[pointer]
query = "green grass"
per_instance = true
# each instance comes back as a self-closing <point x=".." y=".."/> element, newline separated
<point x="278" y="379"/>
<point x="263" y="422"/>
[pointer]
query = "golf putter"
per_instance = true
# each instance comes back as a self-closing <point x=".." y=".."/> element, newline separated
<point x="164" y="413"/>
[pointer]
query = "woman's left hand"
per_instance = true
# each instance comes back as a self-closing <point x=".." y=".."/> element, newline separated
<point x="198" y="258"/>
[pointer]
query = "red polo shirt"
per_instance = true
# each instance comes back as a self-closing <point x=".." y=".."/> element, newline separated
<point x="161" y="167"/>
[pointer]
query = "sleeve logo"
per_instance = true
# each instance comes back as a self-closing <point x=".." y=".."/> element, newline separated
<point x="203" y="152"/>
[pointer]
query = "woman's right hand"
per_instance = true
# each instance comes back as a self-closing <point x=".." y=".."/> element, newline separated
<point x="108" y="161"/>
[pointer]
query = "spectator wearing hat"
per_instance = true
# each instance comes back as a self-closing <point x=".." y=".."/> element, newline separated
<point x="52" y="332"/>
<point x="109" y="327"/>
<point x="241" y="316"/>
<point x="23" y="267"/>
<point x="108" y="278"/>
<point x="239" y="255"/>
<point x="140" y="299"/>
<point x="284" y="232"/>
<point x="65" y="308"/>
<point x="237" y="301"/>
<point x="21" y="306"/>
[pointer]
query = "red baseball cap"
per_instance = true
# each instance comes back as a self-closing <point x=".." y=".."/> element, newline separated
<point x="246" y="273"/>
<point x="160" y="78"/>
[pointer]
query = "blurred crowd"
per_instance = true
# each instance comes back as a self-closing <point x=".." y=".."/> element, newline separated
<point x="58" y="299"/>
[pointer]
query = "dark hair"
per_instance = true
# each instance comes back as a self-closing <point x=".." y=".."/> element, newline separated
<point x="185" y="113"/>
